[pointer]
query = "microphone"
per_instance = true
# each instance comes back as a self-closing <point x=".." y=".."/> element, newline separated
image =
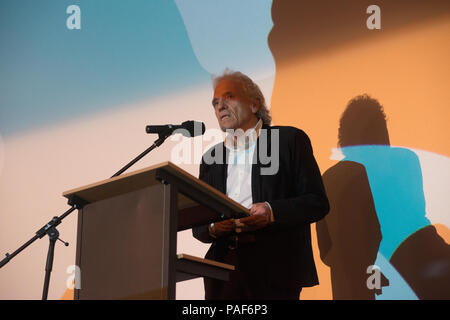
<point x="189" y="129"/>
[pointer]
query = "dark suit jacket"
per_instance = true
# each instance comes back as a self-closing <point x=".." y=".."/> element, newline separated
<point x="282" y="253"/>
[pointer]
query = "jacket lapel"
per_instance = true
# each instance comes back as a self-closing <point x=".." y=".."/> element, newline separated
<point x="256" y="167"/>
<point x="222" y="169"/>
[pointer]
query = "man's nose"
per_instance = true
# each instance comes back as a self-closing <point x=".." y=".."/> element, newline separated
<point x="222" y="104"/>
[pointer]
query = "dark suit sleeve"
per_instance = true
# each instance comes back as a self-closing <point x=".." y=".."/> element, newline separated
<point x="202" y="232"/>
<point x="310" y="203"/>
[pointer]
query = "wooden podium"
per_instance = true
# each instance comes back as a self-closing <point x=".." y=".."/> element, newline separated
<point x="127" y="232"/>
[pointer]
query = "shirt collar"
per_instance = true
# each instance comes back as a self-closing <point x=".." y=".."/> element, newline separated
<point x="239" y="142"/>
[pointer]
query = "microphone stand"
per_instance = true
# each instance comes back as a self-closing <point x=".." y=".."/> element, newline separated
<point x="76" y="203"/>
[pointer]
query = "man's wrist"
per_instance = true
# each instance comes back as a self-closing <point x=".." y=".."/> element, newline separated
<point x="271" y="217"/>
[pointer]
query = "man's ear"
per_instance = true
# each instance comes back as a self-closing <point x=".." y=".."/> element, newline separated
<point x="255" y="108"/>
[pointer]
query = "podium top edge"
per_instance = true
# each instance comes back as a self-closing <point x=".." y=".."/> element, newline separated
<point x="70" y="192"/>
<point x="143" y="178"/>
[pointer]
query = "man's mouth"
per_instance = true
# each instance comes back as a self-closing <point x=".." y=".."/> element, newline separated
<point x="224" y="116"/>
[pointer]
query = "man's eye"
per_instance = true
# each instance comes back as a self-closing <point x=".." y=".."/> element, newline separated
<point x="229" y="96"/>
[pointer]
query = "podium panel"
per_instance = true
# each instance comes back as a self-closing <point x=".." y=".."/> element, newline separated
<point x="122" y="247"/>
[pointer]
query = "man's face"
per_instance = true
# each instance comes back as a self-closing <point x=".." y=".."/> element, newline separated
<point x="233" y="109"/>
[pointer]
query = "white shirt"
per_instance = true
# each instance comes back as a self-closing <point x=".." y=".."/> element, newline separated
<point x="241" y="150"/>
<point x="239" y="175"/>
<point x="239" y="172"/>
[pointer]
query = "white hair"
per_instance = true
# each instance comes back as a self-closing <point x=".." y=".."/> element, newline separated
<point x="251" y="89"/>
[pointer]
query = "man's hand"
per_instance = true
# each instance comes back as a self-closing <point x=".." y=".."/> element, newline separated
<point x="223" y="227"/>
<point x="259" y="216"/>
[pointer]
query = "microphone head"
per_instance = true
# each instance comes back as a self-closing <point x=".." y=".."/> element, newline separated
<point x="194" y="128"/>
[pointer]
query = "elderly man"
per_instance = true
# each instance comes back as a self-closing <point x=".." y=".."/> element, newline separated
<point x="271" y="248"/>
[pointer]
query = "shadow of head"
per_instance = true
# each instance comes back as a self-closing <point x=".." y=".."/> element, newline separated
<point x="363" y="123"/>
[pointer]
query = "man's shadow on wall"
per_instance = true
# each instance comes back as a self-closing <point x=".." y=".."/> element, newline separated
<point x="378" y="207"/>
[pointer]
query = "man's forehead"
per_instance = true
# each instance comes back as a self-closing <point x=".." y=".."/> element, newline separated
<point x="227" y="85"/>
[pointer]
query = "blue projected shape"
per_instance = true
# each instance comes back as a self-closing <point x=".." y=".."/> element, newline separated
<point x="230" y="33"/>
<point x="395" y="179"/>
<point x="397" y="288"/>
<point x="123" y="53"/>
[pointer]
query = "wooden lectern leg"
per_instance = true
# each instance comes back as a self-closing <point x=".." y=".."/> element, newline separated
<point x="170" y="239"/>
